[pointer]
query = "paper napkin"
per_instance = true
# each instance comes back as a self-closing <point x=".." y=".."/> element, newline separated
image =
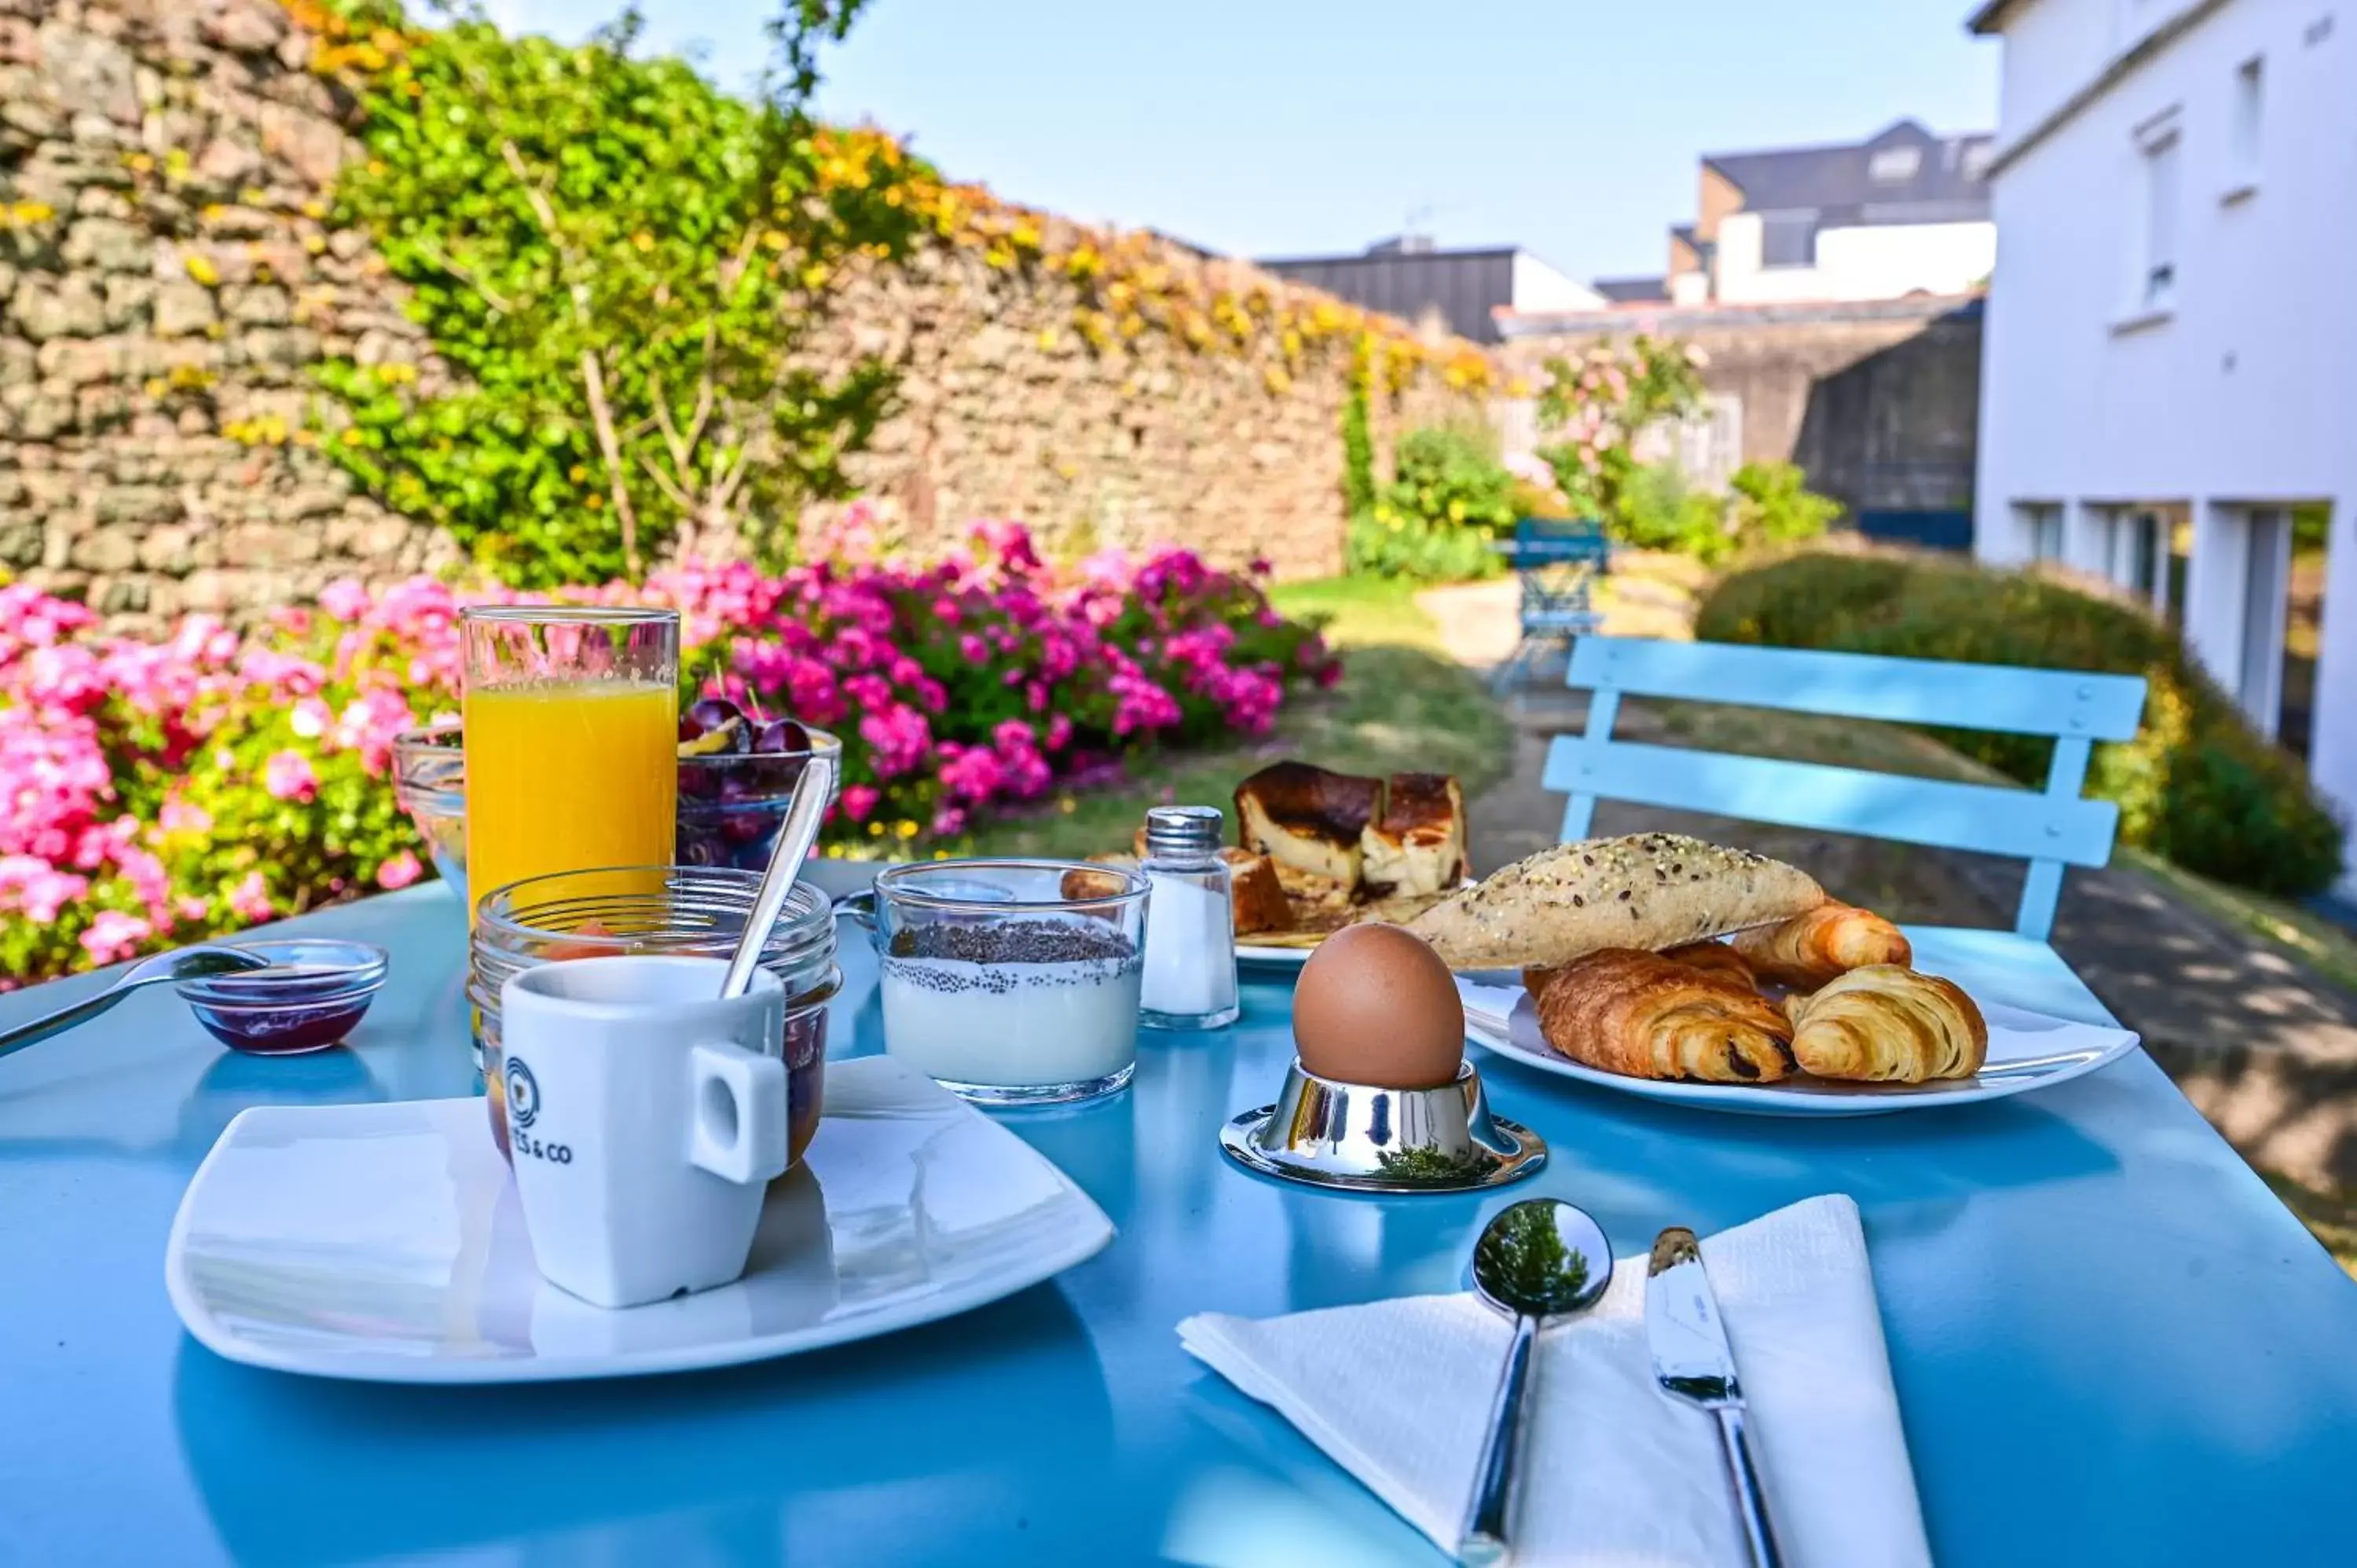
<point x="1615" y="1472"/>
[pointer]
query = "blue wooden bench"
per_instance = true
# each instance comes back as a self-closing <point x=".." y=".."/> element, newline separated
<point x="1558" y="562"/>
<point x="2050" y="829"/>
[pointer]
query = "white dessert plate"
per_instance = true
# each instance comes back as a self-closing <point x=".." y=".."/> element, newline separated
<point x="2026" y="1050"/>
<point x="1270" y="958"/>
<point x="384" y="1242"/>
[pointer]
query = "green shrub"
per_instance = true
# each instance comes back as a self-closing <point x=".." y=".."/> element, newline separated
<point x="1437" y="519"/>
<point x="620" y="265"/>
<point x="2196" y="785"/>
<point x="1659" y="509"/>
<point x="1535" y="500"/>
<point x="1774" y="505"/>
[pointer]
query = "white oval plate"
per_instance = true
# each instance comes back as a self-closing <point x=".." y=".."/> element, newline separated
<point x="2019" y="1041"/>
<point x="384" y="1242"/>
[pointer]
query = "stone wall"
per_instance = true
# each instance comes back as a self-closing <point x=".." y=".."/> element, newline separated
<point x="169" y="275"/>
<point x="1008" y="410"/>
<point x="164" y="280"/>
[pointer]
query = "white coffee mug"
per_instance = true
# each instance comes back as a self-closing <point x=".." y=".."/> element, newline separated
<point x="646" y="1116"/>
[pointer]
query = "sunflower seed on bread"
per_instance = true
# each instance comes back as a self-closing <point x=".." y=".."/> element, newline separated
<point x="1648" y="891"/>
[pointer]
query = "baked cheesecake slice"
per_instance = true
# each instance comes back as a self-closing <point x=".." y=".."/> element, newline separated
<point x="1417" y="845"/>
<point x="1309" y="818"/>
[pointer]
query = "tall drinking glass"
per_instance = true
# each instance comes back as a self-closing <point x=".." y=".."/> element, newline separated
<point x="572" y="738"/>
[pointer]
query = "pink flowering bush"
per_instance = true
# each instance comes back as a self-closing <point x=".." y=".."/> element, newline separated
<point x="153" y="793"/>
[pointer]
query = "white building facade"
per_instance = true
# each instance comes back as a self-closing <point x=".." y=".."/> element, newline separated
<point x="2170" y="360"/>
<point x="1903" y="212"/>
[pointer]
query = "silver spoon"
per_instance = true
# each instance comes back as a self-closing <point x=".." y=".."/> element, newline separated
<point x="795" y="837"/>
<point x="188" y="963"/>
<point x="1538" y="1259"/>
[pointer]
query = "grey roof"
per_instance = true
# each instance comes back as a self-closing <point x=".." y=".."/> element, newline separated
<point x="1947" y="185"/>
<point x="1633" y="291"/>
<point x="1463" y="286"/>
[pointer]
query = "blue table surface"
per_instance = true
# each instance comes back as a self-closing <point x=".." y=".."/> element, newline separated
<point x="2112" y="1345"/>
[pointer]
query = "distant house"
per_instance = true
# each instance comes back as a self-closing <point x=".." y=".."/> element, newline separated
<point x="1903" y="212"/>
<point x="2166" y="395"/>
<point x="1407" y="277"/>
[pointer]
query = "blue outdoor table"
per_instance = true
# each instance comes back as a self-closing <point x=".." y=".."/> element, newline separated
<point x="2112" y="1345"/>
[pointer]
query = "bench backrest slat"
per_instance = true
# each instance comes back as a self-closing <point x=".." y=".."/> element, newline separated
<point x="2051" y="829"/>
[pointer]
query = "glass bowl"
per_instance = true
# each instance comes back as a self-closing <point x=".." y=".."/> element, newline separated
<point x="429" y="781"/>
<point x="732" y="804"/>
<point x="310" y="997"/>
<point x="698" y="910"/>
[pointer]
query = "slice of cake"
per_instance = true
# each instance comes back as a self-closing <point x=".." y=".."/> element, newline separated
<point x="1307" y="817"/>
<point x="1417" y="845"/>
<point x="1261" y="904"/>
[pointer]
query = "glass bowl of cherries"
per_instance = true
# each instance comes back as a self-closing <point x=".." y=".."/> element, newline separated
<point x="737" y="773"/>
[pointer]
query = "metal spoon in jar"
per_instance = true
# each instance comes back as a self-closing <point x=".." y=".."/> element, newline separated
<point x="188" y="963"/>
<point x="1538" y="1259"/>
<point x="800" y="831"/>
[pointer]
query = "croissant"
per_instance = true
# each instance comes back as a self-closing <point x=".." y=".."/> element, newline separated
<point x="1809" y="950"/>
<point x="1890" y="1026"/>
<point x="1642" y="1014"/>
<point x="1715" y="958"/>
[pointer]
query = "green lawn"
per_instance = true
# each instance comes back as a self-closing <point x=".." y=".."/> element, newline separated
<point x="1401" y="706"/>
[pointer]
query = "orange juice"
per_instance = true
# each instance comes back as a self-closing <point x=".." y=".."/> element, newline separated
<point x="569" y="778"/>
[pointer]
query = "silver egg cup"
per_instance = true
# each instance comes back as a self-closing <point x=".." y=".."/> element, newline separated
<point x="1359" y="1138"/>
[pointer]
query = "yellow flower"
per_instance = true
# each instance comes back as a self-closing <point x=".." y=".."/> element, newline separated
<point x="905" y="829"/>
<point x="642" y="242"/>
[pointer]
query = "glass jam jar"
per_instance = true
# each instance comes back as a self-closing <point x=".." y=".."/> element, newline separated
<point x="698" y="910"/>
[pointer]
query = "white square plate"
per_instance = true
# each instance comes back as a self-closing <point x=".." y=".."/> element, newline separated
<point x="385" y="1243"/>
<point x="2026" y="1051"/>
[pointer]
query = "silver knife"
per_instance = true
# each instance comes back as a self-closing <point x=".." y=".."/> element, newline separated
<point x="1692" y="1362"/>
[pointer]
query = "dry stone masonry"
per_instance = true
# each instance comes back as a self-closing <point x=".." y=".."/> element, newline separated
<point x="170" y="274"/>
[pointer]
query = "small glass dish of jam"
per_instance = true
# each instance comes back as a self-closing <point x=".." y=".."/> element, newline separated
<point x="313" y="995"/>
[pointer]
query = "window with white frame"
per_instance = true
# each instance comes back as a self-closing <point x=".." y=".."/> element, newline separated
<point x="2155" y="280"/>
<point x="2249" y="123"/>
<point x="2041" y="528"/>
<point x="1894" y="165"/>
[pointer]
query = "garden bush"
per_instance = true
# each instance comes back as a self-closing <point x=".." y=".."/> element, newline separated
<point x="2196" y="785"/>
<point x="153" y="793"/>
<point x="1436" y="521"/>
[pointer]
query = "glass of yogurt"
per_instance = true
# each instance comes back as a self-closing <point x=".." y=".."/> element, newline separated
<point x="1010" y="982"/>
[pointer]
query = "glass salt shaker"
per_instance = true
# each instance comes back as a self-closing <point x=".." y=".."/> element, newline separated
<point x="1190" y="948"/>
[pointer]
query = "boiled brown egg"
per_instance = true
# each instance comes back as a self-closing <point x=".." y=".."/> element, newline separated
<point x="1375" y="1005"/>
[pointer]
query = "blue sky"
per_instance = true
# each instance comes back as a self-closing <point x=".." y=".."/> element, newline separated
<point x="1283" y="127"/>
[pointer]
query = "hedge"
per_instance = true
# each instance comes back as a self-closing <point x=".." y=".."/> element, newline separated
<point x="2196" y="785"/>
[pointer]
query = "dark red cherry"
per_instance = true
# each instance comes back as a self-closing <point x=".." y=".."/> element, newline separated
<point x="781" y="735"/>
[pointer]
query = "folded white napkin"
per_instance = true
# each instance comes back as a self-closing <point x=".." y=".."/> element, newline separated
<point x="1614" y="1471"/>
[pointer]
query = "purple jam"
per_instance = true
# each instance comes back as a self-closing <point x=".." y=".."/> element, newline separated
<point x="282" y="1031"/>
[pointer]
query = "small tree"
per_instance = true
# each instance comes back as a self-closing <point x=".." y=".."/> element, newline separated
<point x="616" y="264"/>
<point x="1594" y="407"/>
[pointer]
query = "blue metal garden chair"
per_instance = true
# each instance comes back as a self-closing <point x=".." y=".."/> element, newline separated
<point x="2051" y="830"/>
<point x="1559" y="563"/>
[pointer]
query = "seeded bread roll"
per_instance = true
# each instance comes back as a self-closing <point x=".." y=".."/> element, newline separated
<point x="1648" y="891"/>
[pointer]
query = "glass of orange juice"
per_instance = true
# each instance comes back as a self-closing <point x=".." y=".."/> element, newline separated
<point x="572" y="735"/>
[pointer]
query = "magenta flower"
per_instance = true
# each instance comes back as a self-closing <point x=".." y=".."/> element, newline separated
<point x="288" y="777"/>
<point x="250" y="899"/>
<point x="398" y="872"/>
<point x="113" y="935"/>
